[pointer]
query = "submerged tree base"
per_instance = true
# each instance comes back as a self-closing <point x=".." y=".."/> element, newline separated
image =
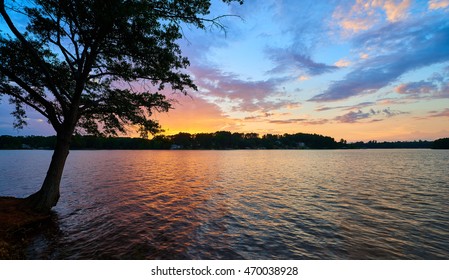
<point x="15" y="218"/>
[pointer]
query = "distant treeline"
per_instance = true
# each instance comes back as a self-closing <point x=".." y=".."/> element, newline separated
<point x="219" y="140"/>
<point x="392" y="145"/>
<point x="442" y="143"/>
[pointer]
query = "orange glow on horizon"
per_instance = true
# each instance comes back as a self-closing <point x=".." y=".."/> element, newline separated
<point x="198" y="116"/>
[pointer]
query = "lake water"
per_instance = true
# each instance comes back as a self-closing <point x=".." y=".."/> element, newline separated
<point x="266" y="204"/>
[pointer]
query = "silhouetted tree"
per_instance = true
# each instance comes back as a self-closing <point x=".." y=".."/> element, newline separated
<point x="204" y="141"/>
<point x="223" y="139"/>
<point x="161" y="142"/>
<point x="442" y="143"/>
<point x="183" y="139"/>
<point x="237" y="140"/>
<point x="73" y="61"/>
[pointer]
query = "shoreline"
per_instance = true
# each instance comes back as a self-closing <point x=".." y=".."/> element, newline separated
<point x="237" y="149"/>
<point x="15" y="219"/>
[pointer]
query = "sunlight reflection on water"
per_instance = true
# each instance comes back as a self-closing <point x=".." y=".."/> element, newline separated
<point x="362" y="204"/>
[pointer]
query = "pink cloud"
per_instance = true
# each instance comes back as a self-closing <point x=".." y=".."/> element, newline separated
<point x="444" y="114"/>
<point x="438" y="4"/>
<point x="342" y="63"/>
<point x="363" y="15"/>
<point x="356" y="116"/>
<point x="302" y="121"/>
<point x="416" y="88"/>
<point x="396" y="10"/>
<point x="245" y="95"/>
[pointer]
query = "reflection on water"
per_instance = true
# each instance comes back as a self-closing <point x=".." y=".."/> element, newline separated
<point x="363" y="204"/>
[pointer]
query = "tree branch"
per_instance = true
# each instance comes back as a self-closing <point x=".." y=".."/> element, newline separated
<point x="33" y="53"/>
<point x="51" y="112"/>
<point x="193" y="19"/>
<point x="69" y="57"/>
<point x="24" y="100"/>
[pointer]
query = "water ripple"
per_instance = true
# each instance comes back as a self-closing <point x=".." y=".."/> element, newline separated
<point x="242" y="204"/>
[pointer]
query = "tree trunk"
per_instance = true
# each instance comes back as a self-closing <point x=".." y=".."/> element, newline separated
<point x="48" y="195"/>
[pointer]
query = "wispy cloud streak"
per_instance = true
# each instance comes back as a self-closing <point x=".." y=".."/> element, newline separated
<point x="402" y="46"/>
<point x="356" y="116"/>
<point x="287" y="60"/>
<point x="246" y="95"/>
<point x="436" y="114"/>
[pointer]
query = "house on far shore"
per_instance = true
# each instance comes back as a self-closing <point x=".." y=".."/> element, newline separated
<point x="301" y="145"/>
<point x="175" y="147"/>
<point x="26" y="147"/>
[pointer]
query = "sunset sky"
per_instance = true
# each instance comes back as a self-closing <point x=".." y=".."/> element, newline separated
<point x="358" y="70"/>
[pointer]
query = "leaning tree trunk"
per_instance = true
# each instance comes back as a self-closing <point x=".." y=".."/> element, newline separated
<point x="48" y="195"/>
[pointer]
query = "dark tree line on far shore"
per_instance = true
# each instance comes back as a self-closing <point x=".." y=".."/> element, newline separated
<point x="220" y="140"/>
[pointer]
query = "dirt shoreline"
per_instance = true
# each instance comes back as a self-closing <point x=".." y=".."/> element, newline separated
<point x="15" y="218"/>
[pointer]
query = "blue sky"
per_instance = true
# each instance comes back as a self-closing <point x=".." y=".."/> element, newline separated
<point x="358" y="70"/>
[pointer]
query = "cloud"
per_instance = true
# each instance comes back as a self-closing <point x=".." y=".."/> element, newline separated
<point x="352" y="20"/>
<point x="435" y="114"/>
<point x="396" y="10"/>
<point x="359" y="82"/>
<point x="416" y="88"/>
<point x="342" y="63"/>
<point x="303" y="24"/>
<point x="364" y="56"/>
<point x="394" y="101"/>
<point x="266" y="105"/>
<point x="303" y="78"/>
<point x="326" y="108"/>
<point x="355" y="25"/>
<point x="438" y="4"/>
<point x="292" y="60"/>
<point x="363" y="15"/>
<point x="258" y="117"/>
<point x="352" y="117"/>
<point x="436" y="86"/>
<point x="288" y="121"/>
<point x="243" y="95"/>
<point x="356" y="116"/>
<point x="346" y="107"/>
<point x="403" y="47"/>
<point x="360" y="105"/>
<point x="305" y="19"/>
<point x="302" y="121"/>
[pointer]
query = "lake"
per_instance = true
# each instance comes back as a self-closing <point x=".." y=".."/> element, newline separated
<point x="240" y="204"/>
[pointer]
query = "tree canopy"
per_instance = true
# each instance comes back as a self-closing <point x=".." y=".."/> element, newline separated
<point x="76" y="60"/>
<point x="442" y="143"/>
